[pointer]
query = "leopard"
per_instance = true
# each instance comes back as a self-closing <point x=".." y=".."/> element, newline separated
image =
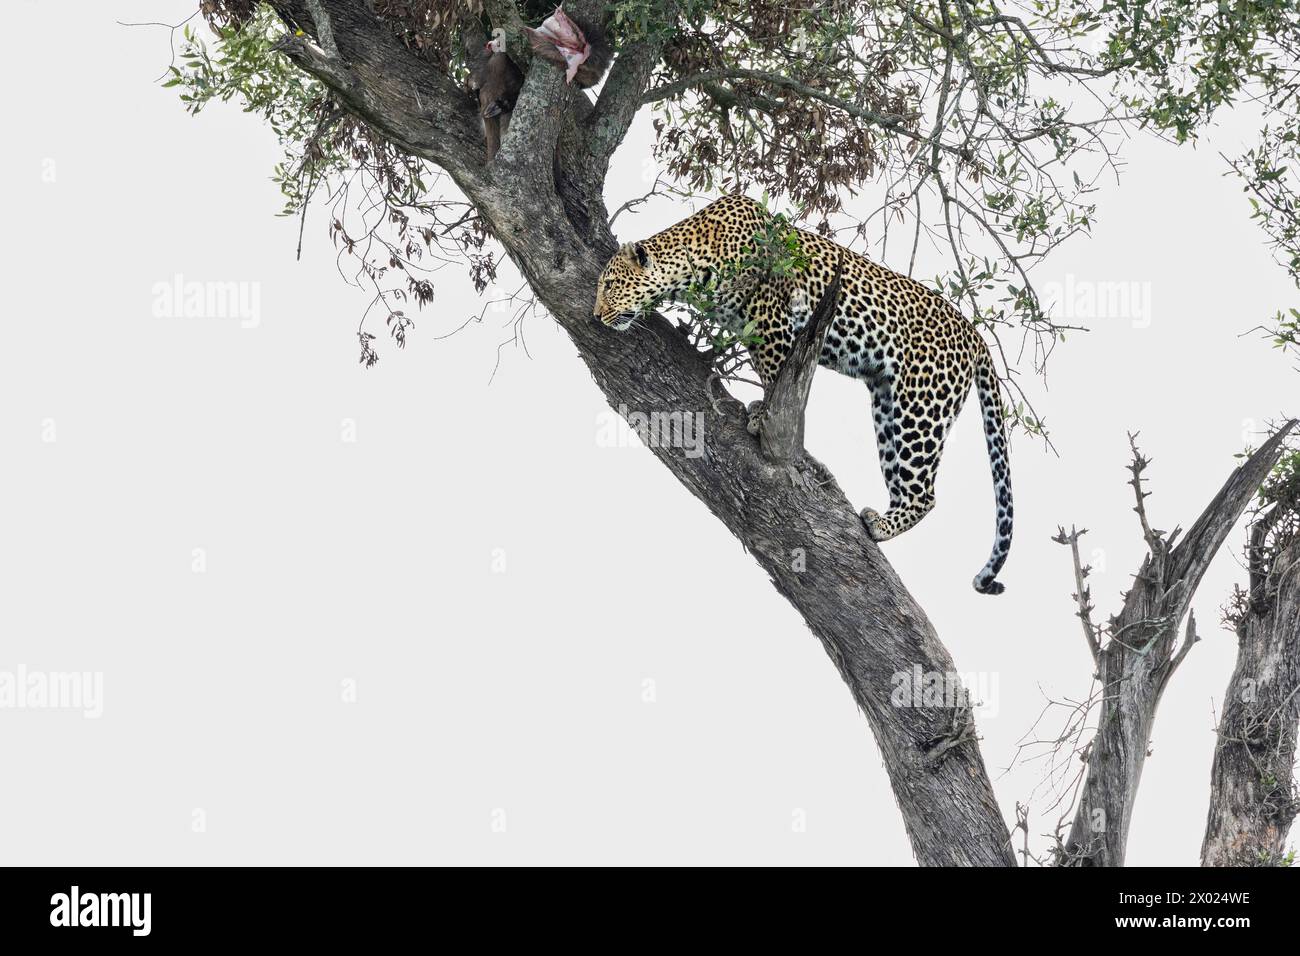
<point x="916" y="352"/>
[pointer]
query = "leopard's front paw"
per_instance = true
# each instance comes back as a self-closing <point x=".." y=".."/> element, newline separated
<point x="757" y="409"/>
<point x="872" y="521"/>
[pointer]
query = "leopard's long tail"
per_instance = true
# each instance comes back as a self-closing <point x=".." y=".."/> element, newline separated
<point x="995" y="433"/>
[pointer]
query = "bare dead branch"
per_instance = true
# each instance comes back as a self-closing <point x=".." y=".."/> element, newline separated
<point x="1189" y="638"/>
<point x="1136" y="467"/>
<point x="1082" y="592"/>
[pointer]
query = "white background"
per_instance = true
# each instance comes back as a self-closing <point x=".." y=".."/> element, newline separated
<point x="485" y="697"/>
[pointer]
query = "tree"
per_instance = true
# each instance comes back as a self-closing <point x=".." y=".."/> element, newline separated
<point x="1138" y="651"/>
<point x="958" y="108"/>
<point x="1253" y="792"/>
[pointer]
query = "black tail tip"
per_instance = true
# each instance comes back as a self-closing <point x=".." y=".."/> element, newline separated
<point x="989" y="587"/>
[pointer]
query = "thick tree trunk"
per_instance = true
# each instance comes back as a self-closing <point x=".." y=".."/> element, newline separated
<point x="805" y="535"/>
<point x="1253" y="798"/>
<point x="1135" y="665"/>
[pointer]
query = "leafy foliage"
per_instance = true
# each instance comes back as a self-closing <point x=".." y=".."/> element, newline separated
<point x="1190" y="59"/>
<point x="773" y="253"/>
<point x="1285" y="330"/>
<point x="978" y="127"/>
<point x="385" y="211"/>
<point x="245" y="68"/>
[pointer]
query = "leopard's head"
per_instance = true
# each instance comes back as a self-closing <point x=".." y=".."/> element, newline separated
<point x="631" y="282"/>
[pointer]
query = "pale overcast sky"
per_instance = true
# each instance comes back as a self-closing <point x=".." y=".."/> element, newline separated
<point x="405" y="615"/>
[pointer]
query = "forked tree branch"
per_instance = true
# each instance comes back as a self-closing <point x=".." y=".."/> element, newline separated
<point x="1140" y="657"/>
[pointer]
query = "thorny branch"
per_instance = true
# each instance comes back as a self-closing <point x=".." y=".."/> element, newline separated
<point x="1082" y="593"/>
<point x="1137" y="466"/>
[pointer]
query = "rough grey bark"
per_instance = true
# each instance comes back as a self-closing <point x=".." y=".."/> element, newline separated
<point x="1143" y="651"/>
<point x="1253" y="797"/>
<point x="781" y="433"/>
<point x="805" y="535"/>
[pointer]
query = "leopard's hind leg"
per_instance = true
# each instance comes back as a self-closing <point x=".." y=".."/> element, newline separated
<point x="913" y="417"/>
<point x="882" y="411"/>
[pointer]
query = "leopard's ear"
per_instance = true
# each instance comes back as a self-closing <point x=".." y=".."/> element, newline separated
<point x="635" y="252"/>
